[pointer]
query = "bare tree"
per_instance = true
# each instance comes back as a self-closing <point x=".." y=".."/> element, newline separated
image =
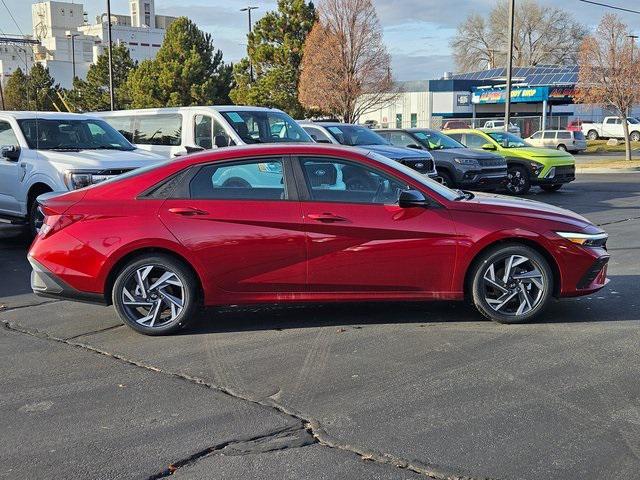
<point x="609" y="71"/>
<point x="543" y="35"/>
<point x="346" y="69"/>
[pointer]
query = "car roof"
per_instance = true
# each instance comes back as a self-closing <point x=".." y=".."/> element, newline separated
<point x="467" y="130"/>
<point x="46" y="115"/>
<point x="307" y="123"/>
<point x="217" y="108"/>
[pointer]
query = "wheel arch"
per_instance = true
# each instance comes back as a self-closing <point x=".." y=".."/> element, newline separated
<point x="526" y="241"/>
<point x="128" y="257"/>
<point x="36" y="189"/>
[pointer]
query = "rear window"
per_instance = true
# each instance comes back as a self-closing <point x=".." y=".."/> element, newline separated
<point x="564" y="135"/>
<point x="161" y="129"/>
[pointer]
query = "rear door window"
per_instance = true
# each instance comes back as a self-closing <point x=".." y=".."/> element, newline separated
<point x="161" y="129"/>
<point x="564" y="135"/>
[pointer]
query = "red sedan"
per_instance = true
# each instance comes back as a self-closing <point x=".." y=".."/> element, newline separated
<point x="305" y="223"/>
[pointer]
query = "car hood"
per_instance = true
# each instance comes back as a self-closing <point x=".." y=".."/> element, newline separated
<point x="396" y="153"/>
<point x="505" y="205"/>
<point x="102" y="159"/>
<point x="450" y="153"/>
<point x="535" y="152"/>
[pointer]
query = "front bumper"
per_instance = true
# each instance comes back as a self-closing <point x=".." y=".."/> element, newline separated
<point x="46" y="284"/>
<point x="483" y="180"/>
<point x="556" y="175"/>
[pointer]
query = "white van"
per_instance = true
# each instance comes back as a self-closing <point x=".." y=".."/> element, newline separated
<point x="172" y="132"/>
<point x="43" y="152"/>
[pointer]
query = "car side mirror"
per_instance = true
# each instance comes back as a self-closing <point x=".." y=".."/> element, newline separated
<point x="412" y="198"/>
<point x="193" y="149"/>
<point x="10" y="152"/>
<point x="413" y="145"/>
<point x="488" y="146"/>
<point x="221" y="141"/>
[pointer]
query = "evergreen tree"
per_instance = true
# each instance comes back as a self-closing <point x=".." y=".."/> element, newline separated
<point x="275" y="51"/>
<point x="15" y="91"/>
<point x="92" y="94"/>
<point x="41" y="89"/>
<point x="187" y="70"/>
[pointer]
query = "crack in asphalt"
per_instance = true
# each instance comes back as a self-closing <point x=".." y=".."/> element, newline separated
<point x="617" y="221"/>
<point x="100" y="330"/>
<point x="20" y="307"/>
<point x="283" y="438"/>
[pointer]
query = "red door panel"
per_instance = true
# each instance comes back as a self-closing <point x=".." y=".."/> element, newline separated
<point x="245" y="245"/>
<point x="378" y="248"/>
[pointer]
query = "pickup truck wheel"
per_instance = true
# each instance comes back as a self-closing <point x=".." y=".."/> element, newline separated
<point x="518" y="182"/>
<point x="592" y="135"/>
<point x="635" y="136"/>
<point x="36" y="217"/>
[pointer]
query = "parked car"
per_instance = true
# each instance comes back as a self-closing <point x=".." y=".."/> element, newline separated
<point x="498" y="125"/>
<point x="526" y="165"/>
<point x="567" y="140"/>
<point x="371" y="124"/>
<point x="183" y="240"/>
<point x="457" y="165"/>
<point x="173" y="132"/>
<point x="612" y="127"/>
<point x="359" y="136"/>
<point x="451" y="124"/>
<point x="52" y="152"/>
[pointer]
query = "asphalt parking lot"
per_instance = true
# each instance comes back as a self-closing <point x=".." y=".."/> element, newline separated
<point x="378" y="391"/>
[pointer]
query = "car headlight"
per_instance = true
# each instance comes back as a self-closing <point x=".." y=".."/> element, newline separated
<point x="586" y="239"/>
<point x="470" y="162"/>
<point x="536" y="167"/>
<point x="79" y="179"/>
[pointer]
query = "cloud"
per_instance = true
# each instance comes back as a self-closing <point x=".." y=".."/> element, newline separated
<point x="420" y="67"/>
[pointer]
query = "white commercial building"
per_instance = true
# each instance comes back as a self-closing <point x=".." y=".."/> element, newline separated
<point x="68" y="41"/>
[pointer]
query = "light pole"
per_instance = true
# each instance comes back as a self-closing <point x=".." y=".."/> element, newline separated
<point x="72" y="36"/>
<point x="111" y="96"/>
<point x="507" y="99"/>
<point x="248" y="10"/>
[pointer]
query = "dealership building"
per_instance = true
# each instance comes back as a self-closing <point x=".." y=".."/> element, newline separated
<point x="541" y="97"/>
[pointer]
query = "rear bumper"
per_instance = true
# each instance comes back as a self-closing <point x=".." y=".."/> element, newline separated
<point x="46" y="284"/>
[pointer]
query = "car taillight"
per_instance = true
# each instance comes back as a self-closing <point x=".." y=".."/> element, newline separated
<point x="55" y="223"/>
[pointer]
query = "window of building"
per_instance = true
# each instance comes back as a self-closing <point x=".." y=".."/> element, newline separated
<point x="253" y="180"/>
<point x="414" y="120"/>
<point x="163" y="129"/>
<point x="398" y="120"/>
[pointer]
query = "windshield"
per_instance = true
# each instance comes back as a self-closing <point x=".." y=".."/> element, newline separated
<point x="440" y="189"/>
<point x="355" y="135"/>
<point x="436" y="140"/>
<point x="84" y="134"/>
<point x="508" y="140"/>
<point x="265" y="127"/>
<point x="633" y="120"/>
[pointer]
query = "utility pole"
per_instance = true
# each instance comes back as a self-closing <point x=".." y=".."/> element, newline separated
<point x="633" y="39"/>
<point x="111" y="96"/>
<point x="507" y="99"/>
<point x="248" y="10"/>
<point x="72" y="35"/>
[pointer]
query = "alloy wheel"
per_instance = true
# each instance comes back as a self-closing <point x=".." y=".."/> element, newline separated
<point x="513" y="285"/>
<point x="153" y="296"/>
<point x="515" y="181"/>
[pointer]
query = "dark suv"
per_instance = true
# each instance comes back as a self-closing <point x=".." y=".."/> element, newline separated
<point x="457" y="165"/>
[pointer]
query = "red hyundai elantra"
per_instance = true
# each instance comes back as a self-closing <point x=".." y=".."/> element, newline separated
<point x="305" y="223"/>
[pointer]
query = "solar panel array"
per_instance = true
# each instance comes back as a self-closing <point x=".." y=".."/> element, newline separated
<point x="538" y="75"/>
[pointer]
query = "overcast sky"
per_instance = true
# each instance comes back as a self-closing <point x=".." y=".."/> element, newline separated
<point x="417" y="32"/>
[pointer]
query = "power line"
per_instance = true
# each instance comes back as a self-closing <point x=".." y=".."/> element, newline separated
<point x="595" y="3"/>
<point x="13" y="18"/>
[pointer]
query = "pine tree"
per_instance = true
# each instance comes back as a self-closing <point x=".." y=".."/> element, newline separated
<point x="92" y="94"/>
<point x="275" y="51"/>
<point x="41" y="89"/>
<point x="187" y="70"/>
<point x="15" y="91"/>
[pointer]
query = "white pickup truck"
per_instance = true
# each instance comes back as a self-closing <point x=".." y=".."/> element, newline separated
<point x="611" y="127"/>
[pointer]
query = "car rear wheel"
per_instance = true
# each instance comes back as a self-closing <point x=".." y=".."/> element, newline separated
<point x="551" y="188"/>
<point x="592" y="135"/>
<point x="511" y="283"/>
<point x="635" y="136"/>
<point x="155" y="294"/>
<point x="518" y="182"/>
<point x="562" y="147"/>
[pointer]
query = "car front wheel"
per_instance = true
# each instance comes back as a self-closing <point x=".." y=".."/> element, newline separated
<point x="511" y="283"/>
<point x="518" y="182"/>
<point x="155" y="294"/>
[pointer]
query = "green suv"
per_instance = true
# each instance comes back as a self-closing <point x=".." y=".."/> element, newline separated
<point x="526" y="165"/>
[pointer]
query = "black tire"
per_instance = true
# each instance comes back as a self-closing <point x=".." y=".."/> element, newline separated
<point x="35" y="218"/>
<point x="551" y="188"/>
<point x="562" y="147"/>
<point x="634" y="136"/>
<point x="160" y="262"/>
<point x="518" y="182"/>
<point x="496" y="254"/>
<point x="447" y="181"/>
<point x="593" y="135"/>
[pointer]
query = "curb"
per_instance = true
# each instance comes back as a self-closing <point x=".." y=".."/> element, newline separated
<point x="607" y="170"/>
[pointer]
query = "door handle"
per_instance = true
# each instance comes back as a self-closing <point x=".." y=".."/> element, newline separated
<point x="187" y="211"/>
<point x="326" y="217"/>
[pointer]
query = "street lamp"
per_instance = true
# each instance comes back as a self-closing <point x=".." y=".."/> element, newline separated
<point x="248" y="10"/>
<point x="72" y="36"/>
<point x="507" y="100"/>
<point x="111" y="96"/>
